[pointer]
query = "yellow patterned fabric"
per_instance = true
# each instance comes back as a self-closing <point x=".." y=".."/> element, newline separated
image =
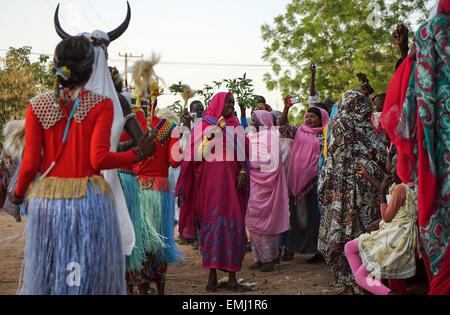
<point x="68" y="188"/>
<point x="389" y="253"/>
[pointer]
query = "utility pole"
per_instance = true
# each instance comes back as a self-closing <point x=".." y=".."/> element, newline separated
<point x="126" y="65"/>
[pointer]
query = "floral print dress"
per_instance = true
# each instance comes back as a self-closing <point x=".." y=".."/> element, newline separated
<point x="349" y="203"/>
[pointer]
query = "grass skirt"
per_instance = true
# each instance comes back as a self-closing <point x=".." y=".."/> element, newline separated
<point x="73" y="246"/>
<point x="158" y="211"/>
<point x="130" y="188"/>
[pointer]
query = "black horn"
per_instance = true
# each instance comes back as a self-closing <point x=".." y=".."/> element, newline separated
<point x="113" y="35"/>
<point x="58" y="27"/>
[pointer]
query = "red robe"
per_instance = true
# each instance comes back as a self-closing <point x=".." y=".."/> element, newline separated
<point x="87" y="150"/>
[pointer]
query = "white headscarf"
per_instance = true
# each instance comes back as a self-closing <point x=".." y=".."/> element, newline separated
<point x="101" y="83"/>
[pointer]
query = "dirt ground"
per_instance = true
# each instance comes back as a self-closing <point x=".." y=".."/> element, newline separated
<point x="295" y="277"/>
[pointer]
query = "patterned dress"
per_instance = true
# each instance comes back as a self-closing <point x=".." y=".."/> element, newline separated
<point x="349" y="203"/>
<point x="389" y="253"/>
<point x="423" y="139"/>
<point x="305" y="214"/>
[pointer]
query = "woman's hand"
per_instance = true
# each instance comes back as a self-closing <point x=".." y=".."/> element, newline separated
<point x="401" y="36"/>
<point x="361" y="170"/>
<point x="241" y="180"/>
<point x="287" y="104"/>
<point x="372" y="154"/>
<point x="14" y="199"/>
<point x="186" y="118"/>
<point x="147" y="145"/>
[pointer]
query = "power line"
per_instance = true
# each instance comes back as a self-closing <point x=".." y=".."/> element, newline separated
<point x="215" y="64"/>
<point x="106" y="24"/>
<point x="63" y="18"/>
<point x="126" y="56"/>
<point x="177" y="63"/>
<point x="96" y="12"/>
<point x="203" y="64"/>
<point x="90" y="22"/>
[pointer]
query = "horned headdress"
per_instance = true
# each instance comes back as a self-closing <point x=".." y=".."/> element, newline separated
<point x="112" y="35"/>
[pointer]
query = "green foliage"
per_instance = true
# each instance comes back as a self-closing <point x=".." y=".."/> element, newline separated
<point x="242" y="89"/>
<point x="177" y="108"/>
<point x="334" y="34"/>
<point x="177" y="88"/>
<point x="207" y="93"/>
<point x="21" y="80"/>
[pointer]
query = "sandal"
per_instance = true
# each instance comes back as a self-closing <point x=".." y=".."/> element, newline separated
<point x="240" y="288"/>
<point x="267" y="267"/>
<point x="316" y="259"/>
<point x="256" y="266"/>
<point x="287" y="256"/>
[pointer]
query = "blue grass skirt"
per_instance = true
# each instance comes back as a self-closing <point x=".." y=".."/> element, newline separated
<point x="73" y="245"/>
<point x="158" y="210"/>
<point x="130" y="188"/>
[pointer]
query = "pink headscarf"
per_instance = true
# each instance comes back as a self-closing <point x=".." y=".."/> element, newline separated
<point x="210" y="118"/>
<point x="268" y="207"/>
<point x="264" y="117"/>
<point x="305" y="156"/>
<point x="216" y="107"/>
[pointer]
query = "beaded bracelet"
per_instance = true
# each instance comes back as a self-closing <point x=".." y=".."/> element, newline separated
<point x="140" y="155"/>
<point x="129" y="116"/>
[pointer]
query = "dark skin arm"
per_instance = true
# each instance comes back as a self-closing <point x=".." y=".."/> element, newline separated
<point x="132" y="126"/>
<point x="145" y="148"/>
<point x="401" y="39"/>
<point x="186" y="118"/>
<point x="361" y="170"/>
<point x="284" y="116"/>
<point x="384" y="190"/>
<point x="241" y="180"/>
<point x="243" y="114"/>
<point x="373" y="157"/>
<point x="125" y="146"/>
<point x="312" y="88"/>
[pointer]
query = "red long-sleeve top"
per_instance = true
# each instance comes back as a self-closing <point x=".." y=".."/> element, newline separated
<point x="158" y="164"/>
<point x="87" y="149"/>
<point x="140" y="117"/>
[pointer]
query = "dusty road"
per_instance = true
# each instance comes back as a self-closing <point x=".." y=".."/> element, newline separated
<point x="188" y="278"/>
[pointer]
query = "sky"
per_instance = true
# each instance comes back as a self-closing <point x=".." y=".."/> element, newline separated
<point x="199" y="41"/>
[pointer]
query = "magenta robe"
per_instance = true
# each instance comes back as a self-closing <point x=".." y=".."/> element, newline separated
<point x="209" y="198"/>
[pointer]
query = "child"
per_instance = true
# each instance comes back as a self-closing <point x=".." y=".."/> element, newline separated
<point x="388" y="253"/>
<point x="375" y="118"/>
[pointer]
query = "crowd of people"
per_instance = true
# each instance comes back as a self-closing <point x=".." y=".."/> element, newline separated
<point x="362" y="185"/>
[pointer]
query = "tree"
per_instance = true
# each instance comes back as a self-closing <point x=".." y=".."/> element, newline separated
<point x="344" y="37"/>
<point x="21" y="80"/>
